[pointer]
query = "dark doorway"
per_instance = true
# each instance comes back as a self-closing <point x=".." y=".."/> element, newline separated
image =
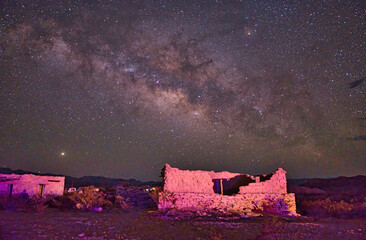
<point x="41" y="190"/>
<point x="218" y="185"/>
<point x="10" y="190"/>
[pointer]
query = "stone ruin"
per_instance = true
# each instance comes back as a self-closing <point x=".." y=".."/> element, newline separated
<point x="31" y="185"/>
<point x="206" y="192"/>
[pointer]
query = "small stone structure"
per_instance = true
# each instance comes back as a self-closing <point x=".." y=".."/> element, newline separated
<point x="33" y="185"/>
<point x="225" y="192"/>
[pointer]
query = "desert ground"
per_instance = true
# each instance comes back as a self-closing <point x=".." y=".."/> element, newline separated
<point x="148" y="224"/>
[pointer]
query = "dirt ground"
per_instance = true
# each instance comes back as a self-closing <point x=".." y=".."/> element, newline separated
<point x="54" y="224"/>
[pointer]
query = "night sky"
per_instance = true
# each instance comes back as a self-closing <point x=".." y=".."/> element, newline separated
<point x="119" y="88"/>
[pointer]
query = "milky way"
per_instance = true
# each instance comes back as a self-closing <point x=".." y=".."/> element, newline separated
<point x="120" y="88"/>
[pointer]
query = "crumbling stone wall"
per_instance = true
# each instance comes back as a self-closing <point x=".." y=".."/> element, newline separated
<point x="276" y="184"/>
<point x="244" y="204"/>
<point x="13" y="184"/>
<point x="193" y="190"/>
<point x="223" y="175"/>
<point x="186" y="181"/>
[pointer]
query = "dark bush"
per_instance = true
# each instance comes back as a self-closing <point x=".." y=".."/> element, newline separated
<point x="87" y="199"/>
<point x="23" y="203"/>
<point x="318" y="208"/>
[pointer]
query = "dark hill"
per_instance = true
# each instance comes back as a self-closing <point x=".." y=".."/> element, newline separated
<point x="350" y="185"/>
<point x="85" y="181"/>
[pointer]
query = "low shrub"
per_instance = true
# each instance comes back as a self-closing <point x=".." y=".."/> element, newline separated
<point x="87" y="199"/>
<point x="331" y="208"/>
<point x="271" y="207"/>
<point x="23" y="203"/>
<point x="120" y="202"/>
<point x="154" y="194"/>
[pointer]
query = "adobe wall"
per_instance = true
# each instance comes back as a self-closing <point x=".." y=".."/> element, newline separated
<point x="243" y="204"/>
<point x="176" y="180"/>
<point x="276" y="184"/>
<point x="223" y="175"/>
<point x="193" y="190"/>
<point x="30" y="184"/>
<point x="185" y="181"/>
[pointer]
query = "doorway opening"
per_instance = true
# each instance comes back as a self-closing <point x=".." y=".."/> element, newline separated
<point x="231" y="186"/>
<point x="41" y="190"/>
<point x="10" y="190"/>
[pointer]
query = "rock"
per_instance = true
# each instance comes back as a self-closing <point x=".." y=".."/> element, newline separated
<point x="98" y="209"/>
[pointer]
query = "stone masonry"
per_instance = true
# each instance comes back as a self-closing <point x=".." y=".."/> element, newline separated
<point x="225" y="193"/>
<point x="33" y="185"/>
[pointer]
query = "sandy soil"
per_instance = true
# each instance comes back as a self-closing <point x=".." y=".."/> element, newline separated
<point x="54" y="224"/>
